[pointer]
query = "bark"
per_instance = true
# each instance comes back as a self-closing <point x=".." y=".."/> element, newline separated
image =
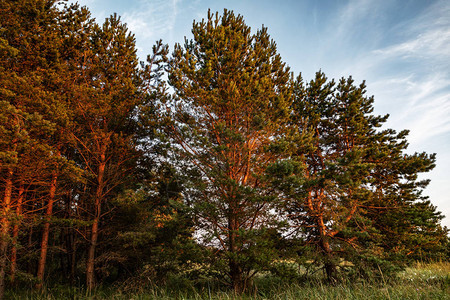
<point x="236" y="272"/>
<point x="90" y="276"/>
<point x="71" y="255"/>
<point x="90" y="280"/>
<point x="30" y="266"/>
<point x="330" y="270"/>
<point x="45" y="232"/>
<point x="70" y="241"/>
<point x="329" y="266"/>
<point x="4" y="238"/>
<point x="237" y="281"/>
<point x="16" y="233"/>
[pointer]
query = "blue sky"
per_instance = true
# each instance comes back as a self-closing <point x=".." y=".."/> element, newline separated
<point x="401" y="48"/>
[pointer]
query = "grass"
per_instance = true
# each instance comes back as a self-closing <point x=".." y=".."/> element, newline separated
<point x="423" y="281"/>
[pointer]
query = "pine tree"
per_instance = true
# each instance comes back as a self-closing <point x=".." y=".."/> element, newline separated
<point x="104" y="102"/>
<point x="354" y="175"/>
<point x="230" y="107"/>
<point x="407" y="225"/>
<point x="29" y="60"/>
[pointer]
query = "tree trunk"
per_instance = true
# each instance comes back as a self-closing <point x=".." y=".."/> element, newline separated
<point x="4" y="238"/>
<point x="237" y="281"/>
<point x="45" y="232"/>
<point x="30" y="266"/>
<point x="329" y="266"/>
<point x="70" y="241"/>
<point x="90" y="276"/>
<point x="16" y="233"/>
<point x="330" y="270"/>
<point x="90" y="281"/>
<point x="71" y="254"/>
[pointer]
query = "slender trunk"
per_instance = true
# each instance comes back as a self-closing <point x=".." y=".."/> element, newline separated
<point x="63" y="266"/>
<point x="90" y="276"/>
<point x="70" y="240"/>
<point x="237" y="281"/>
<point x="30" y="266"/>
<point x="4" y="238"/>
<point x="233" y="263"/>
<point x="45" y="232"/>
<point x="330" y="267"/>
<point x="72" y="255"/>
<point x="16" y="233"/>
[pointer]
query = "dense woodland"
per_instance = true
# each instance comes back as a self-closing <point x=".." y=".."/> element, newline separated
<point x="212" y="161"/>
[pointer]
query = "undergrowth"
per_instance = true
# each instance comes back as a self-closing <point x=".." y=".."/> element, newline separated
<point x="422" y="281"/>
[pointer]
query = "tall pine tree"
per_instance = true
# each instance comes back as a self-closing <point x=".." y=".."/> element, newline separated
<point x="230" y="107"/>
<point x="354" y="176"/>
<point x="108" y="92"/>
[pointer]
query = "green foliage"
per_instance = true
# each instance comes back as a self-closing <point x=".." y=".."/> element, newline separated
<point x="150" y="234"/>
<point x="347" y="176"/>
<point x="418" y="282"/>
<point x="231" y="101"/>
<point x="200" y="170"/>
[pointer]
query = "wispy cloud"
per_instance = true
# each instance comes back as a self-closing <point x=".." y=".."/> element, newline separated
<point x="407" y="67"/>
<point x="434" y="122"/>
<point x="351" y="14"/>
<point x="151" y="20"/>
<point x="410" y="78"/>
<point x="423" y="74"/>
<point x="427" y="39"/>
<point x="412" y="81"/>
<point x="427" y="113"/>
<point x="353" y="24"/>
<point x="431" y="44"/>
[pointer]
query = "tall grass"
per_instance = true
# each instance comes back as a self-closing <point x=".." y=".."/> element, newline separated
<point x="422" y="281"/>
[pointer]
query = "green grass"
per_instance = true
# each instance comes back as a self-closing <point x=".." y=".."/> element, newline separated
<point x="423" y="281"/>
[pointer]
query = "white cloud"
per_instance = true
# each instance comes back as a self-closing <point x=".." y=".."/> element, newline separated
<point x="427" y="38"/>
<point x="425" y="82"/>
<point x="432" y="44"/>
<point x="410" y="79"/>
<point x="421" y="105"/>
<point x="353" y="12"/>
<point x="150" y="20"/>
<point x="429" y="119"/>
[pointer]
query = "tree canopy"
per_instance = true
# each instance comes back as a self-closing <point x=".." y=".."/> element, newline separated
<point x="210" y="161"/>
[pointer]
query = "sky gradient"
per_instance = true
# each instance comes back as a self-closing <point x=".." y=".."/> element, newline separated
<point x="400" y="47"/>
